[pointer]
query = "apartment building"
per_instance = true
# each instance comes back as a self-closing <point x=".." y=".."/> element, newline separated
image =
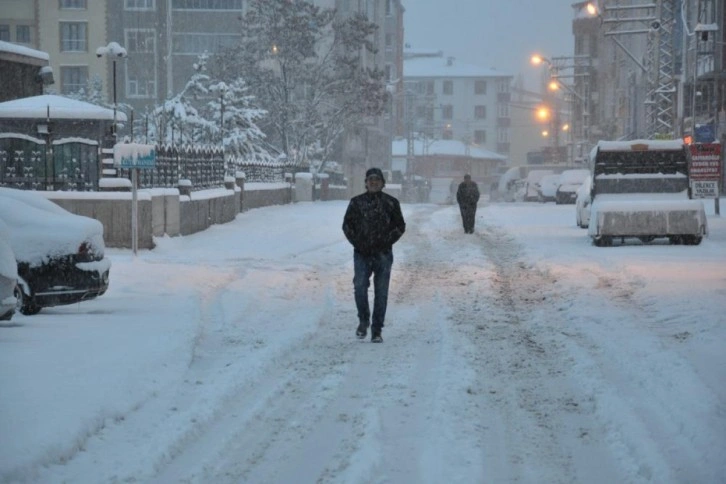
<point x="452" y="100"/>
<point x="18" y="23"/>
<point x="70" y="31"/>
<point x="164" y="38"/>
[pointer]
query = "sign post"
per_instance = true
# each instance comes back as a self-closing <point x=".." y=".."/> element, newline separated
<point x="705" y="172"/>
<point x="134" y="156"/>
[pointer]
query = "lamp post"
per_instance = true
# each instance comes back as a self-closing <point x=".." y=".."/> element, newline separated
<point x="114" y="51"/>
<point x="578" y="69"/>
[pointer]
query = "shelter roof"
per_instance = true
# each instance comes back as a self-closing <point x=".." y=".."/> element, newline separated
<point x="55" y="107"/>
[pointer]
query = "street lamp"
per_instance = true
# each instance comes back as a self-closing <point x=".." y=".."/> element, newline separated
<point x="115" y="51"/>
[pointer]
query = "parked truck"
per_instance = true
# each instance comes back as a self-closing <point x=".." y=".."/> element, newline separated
<point x="640" y="189"/>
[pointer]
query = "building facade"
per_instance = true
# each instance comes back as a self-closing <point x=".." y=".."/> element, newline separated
<point x="450" y="100"/>
<point x="661" y="75"/>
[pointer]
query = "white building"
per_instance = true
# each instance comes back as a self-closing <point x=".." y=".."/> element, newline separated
<point x="451" y="100"/>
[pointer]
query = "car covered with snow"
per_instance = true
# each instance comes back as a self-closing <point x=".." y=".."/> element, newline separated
<point x="510" y="185"/>
<point x="8" y="275"/>
<point x="547" y="189"/>
<point x="60" y="255"/>
<point x="570" y="181"/>
<point x="640" y="189"/>
<point x="531" y="190"/>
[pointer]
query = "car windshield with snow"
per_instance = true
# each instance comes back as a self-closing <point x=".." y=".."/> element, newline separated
<point x="60" y="256"/>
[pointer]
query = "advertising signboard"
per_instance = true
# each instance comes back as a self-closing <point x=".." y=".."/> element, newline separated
<point x="705" y="170"/>
<point x="134" y="155"/>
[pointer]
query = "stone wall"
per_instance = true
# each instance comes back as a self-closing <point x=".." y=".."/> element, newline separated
<point x="165" y="211"/>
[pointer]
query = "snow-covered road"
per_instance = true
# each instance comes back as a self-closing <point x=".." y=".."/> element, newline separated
<point x="518" y="354"/>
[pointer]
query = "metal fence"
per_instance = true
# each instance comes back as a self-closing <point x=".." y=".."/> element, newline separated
<point x="71" y="164"/>
<point x="74" y="164"/>
<point x="265" y="171"/>
<point x="203" y="167"/>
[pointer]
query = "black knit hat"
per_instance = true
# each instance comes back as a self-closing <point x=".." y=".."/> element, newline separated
<point x="377" y="172"/>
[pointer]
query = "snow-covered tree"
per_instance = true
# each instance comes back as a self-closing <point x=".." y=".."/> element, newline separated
<point x="304" y="67"/>
<point x="212" y="113"/>
<point x="177" y="120"/>
<point x="235" y="119"/>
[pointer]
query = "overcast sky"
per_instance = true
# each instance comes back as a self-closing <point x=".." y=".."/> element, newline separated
<point x="498" y="34"/>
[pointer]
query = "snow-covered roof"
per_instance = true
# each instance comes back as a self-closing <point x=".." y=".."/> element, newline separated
<point x="36" y="107"/>
<point x="444" y="147"/>
<point x="11" y="48"/>
<point x="445" y="67"/>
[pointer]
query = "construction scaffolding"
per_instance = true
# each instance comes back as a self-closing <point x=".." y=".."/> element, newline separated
<point x="656" y="20"/>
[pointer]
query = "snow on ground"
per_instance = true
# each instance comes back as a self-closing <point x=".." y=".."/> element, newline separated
<point x="521" y="353"/>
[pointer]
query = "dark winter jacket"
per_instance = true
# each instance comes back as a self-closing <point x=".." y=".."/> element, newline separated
<point x="467" y="194"/>
<point x="373" y="222"/>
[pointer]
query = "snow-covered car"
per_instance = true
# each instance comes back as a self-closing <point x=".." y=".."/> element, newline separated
<point x="60" y="255"/>
<point x="531" y="191"/>
<point x="570" y="181"/>
<point x="8" y="275"/>
<point x="509" y="184"/>
<point x="547" y="189"/>
<point x="582" y="203"/>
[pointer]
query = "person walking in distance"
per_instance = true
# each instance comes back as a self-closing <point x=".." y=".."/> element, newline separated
<point x="467" y="196"/>
<point x="373" y="222"/>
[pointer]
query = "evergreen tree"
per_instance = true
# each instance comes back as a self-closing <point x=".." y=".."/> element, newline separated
<point x="304" y="67"/>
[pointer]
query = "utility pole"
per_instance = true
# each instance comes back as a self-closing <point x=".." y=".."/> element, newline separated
<point x="656" y="20"/>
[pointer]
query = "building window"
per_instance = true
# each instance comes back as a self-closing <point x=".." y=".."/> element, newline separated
<point x="22" y="34"/>
<point x="73" y="37"/>
<point x="448" y="87"/>
<point x="389" y="7"/>
<point x="73" y="79"/>
<point x="480" y="136"/>
<point x="139" y="87"/>
<point x="447" y="111"/>
<point x="72" y="4"/>
<point x="140" y="41"/>
<point x="480" y="87"/>
<point x="480" y="112"/>
<point x="206" y="4"/>
<point x="140" y="5"/>
<point x="503" y="86"/>
<point x="389" y="42"/>
<point x="429" y="87"/>
<point x="190" y="43"/>
<point x="5" y="32"/>
<point x="503" y="136"/>
<point x="503" y="110"/>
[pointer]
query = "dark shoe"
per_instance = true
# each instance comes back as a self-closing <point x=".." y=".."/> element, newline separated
<point x="376" y="336"/>
<point x="362" y="330"/>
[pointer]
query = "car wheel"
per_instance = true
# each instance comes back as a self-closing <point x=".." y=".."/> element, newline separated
<point x="602" y="241"/>
<point x="691" y="239"/>
<point x="25" y="304"/>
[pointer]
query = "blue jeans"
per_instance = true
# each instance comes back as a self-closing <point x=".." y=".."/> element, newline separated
<point x="379" y="265"/>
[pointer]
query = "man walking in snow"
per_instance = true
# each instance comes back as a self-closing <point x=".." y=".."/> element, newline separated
<point x="467" y="196"/>
<point x="373" y="222"/>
